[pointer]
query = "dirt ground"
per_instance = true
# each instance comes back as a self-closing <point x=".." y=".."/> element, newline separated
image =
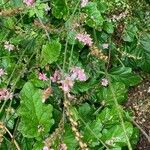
<point x="139" y="103"/>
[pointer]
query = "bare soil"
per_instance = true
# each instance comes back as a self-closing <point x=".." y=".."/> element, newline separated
<point x="139" y="104"/>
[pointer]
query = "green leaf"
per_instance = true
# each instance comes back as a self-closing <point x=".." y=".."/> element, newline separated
<point x="145" y="46"/>
<point x="102" y="6"/>
<point x="36" y="117"/>
<point x="60" y="8"/>
<point x="92" y="132"/>
<point x="106" y="94"/>
<point x="38" y="145"/>
<point x="69" y="138"/>
<point x="94" y="19"/>
<point x="50" y="52"/>
<point x="115" y="136"/>
<point x="124" y="75"/>
<point x="108" y="27"/>
<point x="108" y="117"/>
<point x="85" y="111"/>
<point x="130" y="33"/>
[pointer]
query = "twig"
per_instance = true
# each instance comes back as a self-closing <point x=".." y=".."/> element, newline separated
<point x="143" y="132"/>
<point x="16" y="144"/>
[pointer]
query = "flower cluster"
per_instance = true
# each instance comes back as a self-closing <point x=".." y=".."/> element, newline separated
<point x="5" y="94"/>
<point x="29" y="2"/>
<point x="105" y="45"/>
<point x="42" y="76"/>
<point x="8" y="46"/>
<point x="66" y="81"/>
<point x="67" y="84"/>
<point x="104" y="82"/>
<point x="76" y="73"/>
<point x="84" y="38"/>
<point x="56" y="76"/>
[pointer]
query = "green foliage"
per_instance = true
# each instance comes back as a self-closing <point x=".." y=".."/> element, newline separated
<point x="108" y="27"/>
<point x="69" y="138"/>
<point x="94" y="18"/>
<point x="115" y="136"/>
<point x="60" y="9"/>
<point x="106" y="94"/>
<point x="50" y="52"/>
<point x="124" y="75"/>
<point x="130" y="33"/>
<point x="145" y="45"/>
<point x="36" y="117"/>
<point x="41" y="57"/>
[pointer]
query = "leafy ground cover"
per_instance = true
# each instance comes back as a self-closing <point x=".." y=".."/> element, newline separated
<point x="74" y="74"/>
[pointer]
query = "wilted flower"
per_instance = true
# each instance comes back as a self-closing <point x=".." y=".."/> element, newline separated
<point x="84" y="38"/>
<point x="105" y="46"/>
<point x="5" y="94"/>
<point x="84" y="3"/>
<point x="78" y="73"/>
<point x="56" y="76"/>
<point x="1" y="72"/>
<point x="42" y="76"/>
<point x="8" y="46"/>
<point x="70" y="96"/>
<point x="29" y="2"/>
<point x="46" y="94"/>
<point x="63" y="146"/>
<point x="67" y="84"/>
<point x="104" y="82"/>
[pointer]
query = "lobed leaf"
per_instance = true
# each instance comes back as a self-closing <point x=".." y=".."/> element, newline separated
<point x="36" y="117"/>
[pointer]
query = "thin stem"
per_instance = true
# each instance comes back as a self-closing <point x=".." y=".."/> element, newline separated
<point x="66" y="45"/>
<point x="12" y="89"/>
<point x="119" y="110"/>
<point x="16" y="144"/>
<point x="143" y="132"/>
<point x="94" y="133"/>
<point x="65" y="54"/>
<point x="47" y="34"/>
<point x="70" y="58"/>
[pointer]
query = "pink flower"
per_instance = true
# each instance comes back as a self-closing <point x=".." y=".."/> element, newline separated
<point x="1" y="72"/>
<point x="8" y="46"/>
<point x="78" y="73"/>
<point x="84" y="3"/>
<point x="42" y="76"/>
<point x="67" y="84"/>
<point x="56" y="76"/>
<point x="45" y="148"/>
<point x="84" y="38"/>
<point x="104" y="82"/>
<point x="5" y="94"/>
<point x="105" y="46"/>
<point x="29" y="2"/>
